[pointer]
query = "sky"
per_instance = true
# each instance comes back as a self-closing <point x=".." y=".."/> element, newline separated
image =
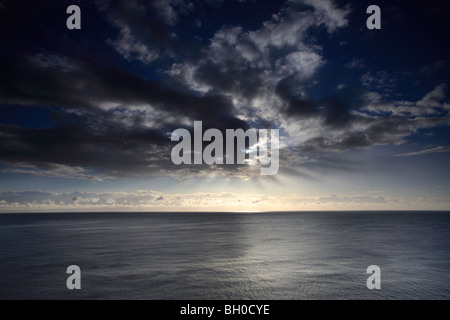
<point x="86" y="115"/>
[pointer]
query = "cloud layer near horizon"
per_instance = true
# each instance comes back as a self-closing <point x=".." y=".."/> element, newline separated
<point x="150" y="200"/>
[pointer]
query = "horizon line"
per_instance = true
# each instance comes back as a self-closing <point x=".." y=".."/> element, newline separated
<point x="240" y="211"/>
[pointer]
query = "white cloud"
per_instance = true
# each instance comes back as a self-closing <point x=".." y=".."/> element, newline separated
<point x="234" y="47"/>
<point x="427" y="151"/>
<point x="383" y="81"/>
<point x="170" y="10"/>
<point x="166" y="11"/>
<point x="128" y="44"/>
<point x="131" y="48"/>
<point x="240" y="64"/>
<point x="302" y="62"/>
<point x="428" y="106"/>
<point x="355" y="64"/>
<point x="329" y="14"/>
<point x="435" y="97"/>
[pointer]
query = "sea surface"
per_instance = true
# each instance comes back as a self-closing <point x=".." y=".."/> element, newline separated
<point x="238" y="256"/>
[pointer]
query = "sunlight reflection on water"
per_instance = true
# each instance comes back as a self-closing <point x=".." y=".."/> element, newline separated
<point x="226" y="256"/>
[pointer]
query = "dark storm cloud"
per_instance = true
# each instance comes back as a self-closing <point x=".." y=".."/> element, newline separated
<point x="293" y="105"/>
<point x="335" y="110"/>
<point x="76" y="145"/>
<point x="105" y="117"/>
<point x="89" y="85"/>
<point x="109" y="144"/>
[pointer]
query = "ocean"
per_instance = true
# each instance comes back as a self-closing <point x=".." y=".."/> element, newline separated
<point x="235" y="256"/>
